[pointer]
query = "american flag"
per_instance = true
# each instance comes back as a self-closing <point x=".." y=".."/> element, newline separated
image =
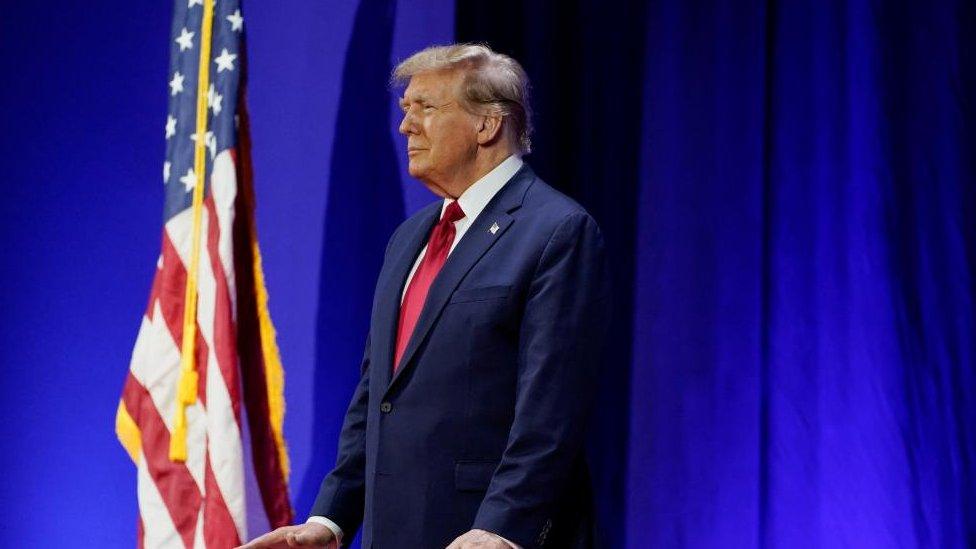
<point x="205" y="355"/>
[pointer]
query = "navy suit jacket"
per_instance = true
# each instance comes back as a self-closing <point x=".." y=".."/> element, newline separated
<point x="482" y="425"/>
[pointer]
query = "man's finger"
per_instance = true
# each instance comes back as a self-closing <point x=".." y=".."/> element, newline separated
<point x="271" y="540"/>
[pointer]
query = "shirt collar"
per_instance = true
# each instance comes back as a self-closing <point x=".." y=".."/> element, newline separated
<point x="476" y="197"/>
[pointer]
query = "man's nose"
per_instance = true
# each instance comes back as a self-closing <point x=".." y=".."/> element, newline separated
<point x="407" y="125"/>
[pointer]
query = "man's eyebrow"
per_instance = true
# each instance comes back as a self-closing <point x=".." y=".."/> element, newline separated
<point x="419" y="98"/>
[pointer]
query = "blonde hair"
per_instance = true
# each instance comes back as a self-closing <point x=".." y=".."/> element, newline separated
<point x="494" y="84"/>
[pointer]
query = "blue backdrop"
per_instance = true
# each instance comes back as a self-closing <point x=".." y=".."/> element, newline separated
<point x="788" y="190"/>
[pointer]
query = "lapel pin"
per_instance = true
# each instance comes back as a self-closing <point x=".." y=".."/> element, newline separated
<point x="494" y="228"/>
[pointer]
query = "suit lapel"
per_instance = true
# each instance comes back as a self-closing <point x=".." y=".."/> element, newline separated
<point x="473" y="245"/>
<point x="388" y="304"/>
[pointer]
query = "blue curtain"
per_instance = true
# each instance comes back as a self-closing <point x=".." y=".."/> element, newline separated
<point x="790" y="193"/>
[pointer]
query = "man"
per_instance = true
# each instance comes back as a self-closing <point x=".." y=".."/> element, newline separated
<point x="466" y="428"/>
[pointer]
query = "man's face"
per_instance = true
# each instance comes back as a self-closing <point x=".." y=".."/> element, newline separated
<point x="442" y="138"/>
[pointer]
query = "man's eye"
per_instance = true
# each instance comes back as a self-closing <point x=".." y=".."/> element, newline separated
<point x="428" y="108"/>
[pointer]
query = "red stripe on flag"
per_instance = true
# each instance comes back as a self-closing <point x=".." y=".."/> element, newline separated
<point x="219" y="529"/>
<point x="173" y="480"/>
<point x="224" y="338"/>
<point x="169" y="287"/>
<point x="140" y="534"/>
<point x="218" y="526"/>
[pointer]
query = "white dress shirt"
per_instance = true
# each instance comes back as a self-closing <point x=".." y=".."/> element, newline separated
<point x="472" y="201"/>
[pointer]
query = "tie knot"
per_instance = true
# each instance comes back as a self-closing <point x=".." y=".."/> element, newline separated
<point x="452" y="213"/>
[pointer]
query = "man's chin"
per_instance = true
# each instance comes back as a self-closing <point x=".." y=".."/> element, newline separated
<point x="417" y="170"/>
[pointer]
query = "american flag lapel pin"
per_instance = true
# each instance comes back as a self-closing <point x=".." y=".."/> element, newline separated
<point x="494" y="228"/>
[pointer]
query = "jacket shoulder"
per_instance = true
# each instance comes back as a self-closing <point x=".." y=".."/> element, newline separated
<point x="549" y="207"/>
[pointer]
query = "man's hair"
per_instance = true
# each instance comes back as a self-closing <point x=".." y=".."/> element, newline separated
<point x="494" y="84"/>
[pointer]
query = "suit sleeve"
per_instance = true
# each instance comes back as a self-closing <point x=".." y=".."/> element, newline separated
<point x="567" y="310"/>
<point x="341" y="497"/>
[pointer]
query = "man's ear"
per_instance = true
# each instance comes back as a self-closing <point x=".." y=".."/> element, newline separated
<point x="489" y="129"/>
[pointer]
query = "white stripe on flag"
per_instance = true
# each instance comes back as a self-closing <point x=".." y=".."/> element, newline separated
<point x="224" y="191"/>
<point x="156" y="366"/>
<point x="226" y="454"/>
<point x="157" y="525"/>
<point x="198" y="539"/>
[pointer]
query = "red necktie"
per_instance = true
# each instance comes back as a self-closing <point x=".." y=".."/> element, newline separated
<point x="439" y="244"/>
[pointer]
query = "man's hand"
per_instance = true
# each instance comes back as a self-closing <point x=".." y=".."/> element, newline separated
<point x="479" y="539"/>
<point x="303" y="535"/>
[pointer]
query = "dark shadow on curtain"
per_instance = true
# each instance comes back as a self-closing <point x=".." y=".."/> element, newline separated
<point x="582" y="60"/>
<point x="365" y="205"/>
<point x="929" y="114"/>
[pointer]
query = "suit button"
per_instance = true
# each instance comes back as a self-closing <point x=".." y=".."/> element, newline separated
<point x="386" y="407"/>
